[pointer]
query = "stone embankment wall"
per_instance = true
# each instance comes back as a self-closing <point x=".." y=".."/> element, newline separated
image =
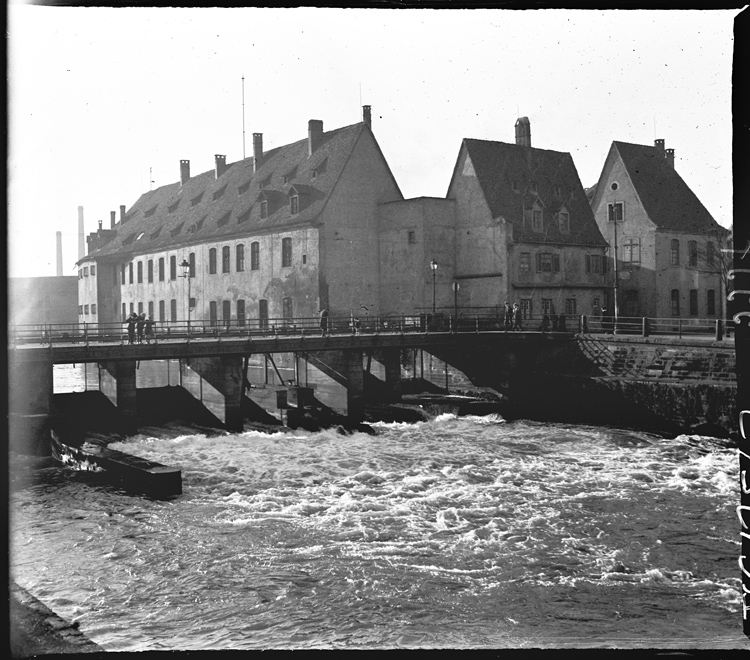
<point x="667" y="384"/>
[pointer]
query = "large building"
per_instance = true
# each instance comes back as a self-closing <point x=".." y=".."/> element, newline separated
<point x="280" y="235"/>
<point x="524" y="229"/>
<point x="667" y="244"/>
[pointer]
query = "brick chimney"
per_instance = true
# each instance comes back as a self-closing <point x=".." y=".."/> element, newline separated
<point x="221" y="165"/>
<point x="184" y="171"/>
<point x="523" y="132"/>
<point x="669" y="155"/>
<point x="59" y="255"/>
<point x="112" y="219"/>
<point x="257" y="150"/>
<point x="81" y="236"/>
<point x="314" y="135"/>
<point x="367" y="116"/>
<point x="122" y="214"/>
<point x="659" y="146"/>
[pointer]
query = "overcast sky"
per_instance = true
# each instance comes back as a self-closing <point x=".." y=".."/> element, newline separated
<point x="100" y="97"/>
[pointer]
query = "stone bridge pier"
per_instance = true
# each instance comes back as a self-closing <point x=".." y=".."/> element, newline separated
<point x="29" y="405"/>
<point x="218" y="383"/>
<point x="117" y="383"/>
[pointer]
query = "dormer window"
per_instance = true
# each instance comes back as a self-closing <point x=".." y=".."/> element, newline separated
<point x="176" y="230"/>
<point x="290" y="175"/>
<point x="266" y="182"/>
<point x="156" y="234"/>
<point x="196" y="200"/>
<point x="532" y="187"/>
<point x="537" y="223"/>
<point x="243" y="188"/>
<point x="320" y="168"/>
<point x="223" y="220"/>
<point x="140" y="236"/>
<point x="173" y="207"/>
<point x="219" y="192"/>
<point x="563" y="221"/>
<point x="264" y="208"/>
<point x="150" y="212"/>
<point x="243" y="217"/>
<point x="294" y="204"/>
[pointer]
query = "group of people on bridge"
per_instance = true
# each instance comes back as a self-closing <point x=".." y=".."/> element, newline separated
<point x="140" y="327"/>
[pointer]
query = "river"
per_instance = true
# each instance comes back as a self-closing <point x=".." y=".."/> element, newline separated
<point x="456" y="532"/>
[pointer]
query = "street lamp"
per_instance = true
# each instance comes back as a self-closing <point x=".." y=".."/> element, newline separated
<point x="185" y="265"/>
<point x="456" y="287"/>
<point x="433" y="265"/>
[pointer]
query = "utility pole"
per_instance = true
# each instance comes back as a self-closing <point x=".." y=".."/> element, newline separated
<point x="243" y="117"/>
<point x="617" y="308"/>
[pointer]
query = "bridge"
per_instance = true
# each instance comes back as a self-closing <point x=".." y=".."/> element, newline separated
<point x="216" y="354"/>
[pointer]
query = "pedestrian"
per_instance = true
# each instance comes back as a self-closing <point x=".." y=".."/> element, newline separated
<point x="555" y="322"/>
<point x="508" y="319"/>
<point x="545" y="323"/>
<point x="131" y="321"/>
<point x="139" y="323"/>
<point x="148" y="328"/>
<point x="517" y="317"/>
<point x="323" y="321"/>
<point x="561" y="323"/>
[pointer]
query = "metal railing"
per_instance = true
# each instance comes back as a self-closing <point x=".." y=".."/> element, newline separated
<point x="490" y="321"/>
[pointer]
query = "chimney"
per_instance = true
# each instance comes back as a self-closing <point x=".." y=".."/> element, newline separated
<point x="100" y="225"/>
<point x="184" y="171"/>
<point x="669" y="155"/>
<point x="59" y="254"/>
<point x="122" y="215"/>
<point x="221" y="165"/>
<point x="112" y="216"/>
<point x="659" y="146"/>
<point x="314" y="135"/>
<point x="523" y="132"/>
<point x="257" y="150"/>
<point x="367" y="116"/>
<point x="81" y="240"/>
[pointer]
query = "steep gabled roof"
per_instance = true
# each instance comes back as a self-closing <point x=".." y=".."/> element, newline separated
<point x="514" y="177"/>
<point x="205" y="208"/>
<point x="666" y="198"/>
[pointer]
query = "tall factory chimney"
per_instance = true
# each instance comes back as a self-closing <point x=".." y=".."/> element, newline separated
<point x="59" y="254"/>
<point x="81" y="240"/>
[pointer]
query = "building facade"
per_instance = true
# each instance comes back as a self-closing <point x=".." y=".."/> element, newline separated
<point x="525" y="232"/>
<point x="280" y="235"/>
<point x="666" y="244"/>
<point x="40" y="300"/>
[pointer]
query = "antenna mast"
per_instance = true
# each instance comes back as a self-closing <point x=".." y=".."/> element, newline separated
<point x="243" y="117"/>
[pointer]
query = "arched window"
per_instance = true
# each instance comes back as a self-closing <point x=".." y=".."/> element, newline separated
<point x="225" y="259"/>
<point x="675" y="252"/>
<point x="254" y="255"/>
<point x="240" y="260"/>
<point x="286" y="253"/>
<point x="212" y="261"/>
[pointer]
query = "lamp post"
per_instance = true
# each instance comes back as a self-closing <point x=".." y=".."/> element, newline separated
<point x="456" y="287"/>
<point x="185" y="265"/>
<point x="433" y="265"/>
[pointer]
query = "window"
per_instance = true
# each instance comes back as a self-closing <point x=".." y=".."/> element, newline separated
<point x="162" y="311"/>
<point x="151" y="309"/>
<point x="122" y="268"/>
<point x="254" y="255"/>
<point x="564" y="222"/>
<point x="525" y="308"/>
<point x="710" y="302"/>
<point x="675" y="250"/>
<point x="615" y="211"/>
<point x="124" y="311"/>
<point x="304" y="259"/>
<point x="173" y="310"/>
<point x="546" y="306"/>
<point x="191" y="303"/>
<point x="594" y="263"/>
<point x="514" y="184"/>
<point x="80" y="310"/>
<point x="294" y="204"/>
<point x="263" y="314"/>
<point x="161" y="269"/>
<point x="93" y="309"/>
<point x="212" y="261"/>
<point x="537" y="223"/>
<point x="241" y="313"/>
<point x="710" y="254"/>
<point x="93" y="271"/>
<point x="173" y="267"/>
<point x="631" y="251"/>
<point x="631" y="302"/>
<point x="85" y="271"/>
<point x="150" y="271"/>
<point x="140" y="308"/>
<point x="224" y="220"/>
<point x="86" y="309"/>
<point x="570" y="307"/>
<point x="675" y="299"/>
<point x="225" y="259"/>
<point x="191" y="261"/>
<point x="264" y="208"/>
<point x="130" y="273"/>
<point x="692" y="253"/>
<point x="547" y="262"/>
<point x="286" y="253"/>
<point x="140" y="272"/>
<point x="213" y="314"/>
<point x="595" y="309"/>
<point x="287" y="309"/>
<point x="132" y="308"/>
<point x="693" y="300"/>
<point x="226" y="312"/>
<point x="524" y="262"/>
<point x="240" y="258"/>
<point x="412" y="236"/>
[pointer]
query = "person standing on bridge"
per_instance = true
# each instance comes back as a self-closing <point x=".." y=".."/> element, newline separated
<point x="148" y="329"/>
<point x="508" y="319"/>
<point x="517" y="317"/>
<point x="323" y="321"/>
<point x="131" y="321"/>
<point x="140" y="322"/>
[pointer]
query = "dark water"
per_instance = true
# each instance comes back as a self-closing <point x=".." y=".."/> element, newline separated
<point x="458" y="532"/>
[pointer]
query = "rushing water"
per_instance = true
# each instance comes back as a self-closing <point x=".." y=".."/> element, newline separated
<point x="458" y="532"/>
